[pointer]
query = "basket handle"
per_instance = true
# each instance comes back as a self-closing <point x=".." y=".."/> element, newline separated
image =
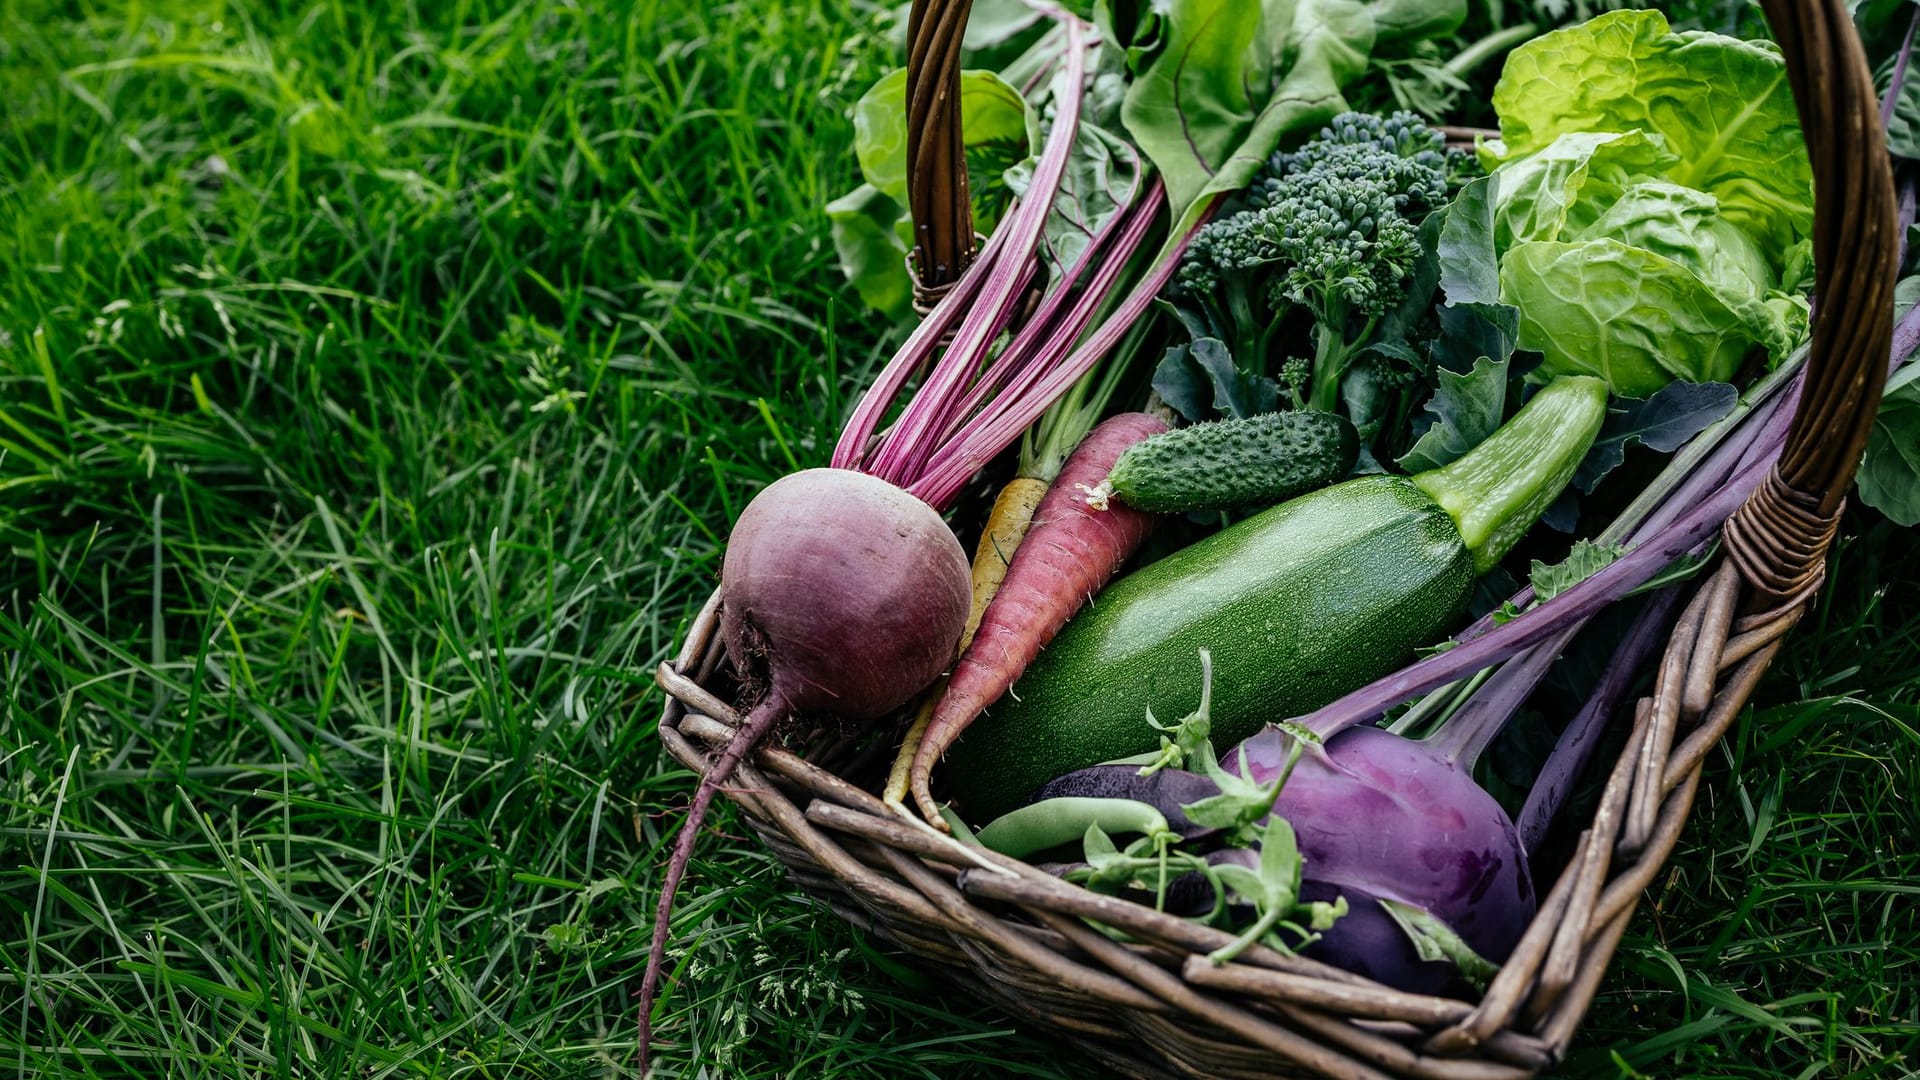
<point x="1780" y="537"/>
<point x="937" y="195"/>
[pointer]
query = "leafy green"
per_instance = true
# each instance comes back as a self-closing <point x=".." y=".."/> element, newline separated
<point x="1585" y="560"/>
<point x="1653" y="202"/>
<point x="1465" y="409"/>
<point x="992" y="113"/>
<point x="1722" y="106"/>
<point x="871" y="230"/>
<point x="1103" y="175"/>
<point x="1890" y="473"/>
<point x="872" y="251"/>
<point x="1675" y="413"/>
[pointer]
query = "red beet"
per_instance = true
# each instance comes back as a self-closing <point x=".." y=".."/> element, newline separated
<point x="842" y="594"/>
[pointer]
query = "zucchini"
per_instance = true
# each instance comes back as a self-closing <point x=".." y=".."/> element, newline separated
<point x="1299" y="604"/>
<point x="1228" y="463"/>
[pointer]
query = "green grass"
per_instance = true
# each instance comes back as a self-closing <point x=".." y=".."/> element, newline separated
<point x="376" y="384"/>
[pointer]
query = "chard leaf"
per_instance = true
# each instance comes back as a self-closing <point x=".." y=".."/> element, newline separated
<point x="1890" y="473"/>
<point x="1664" y="422"/>
<point x="1435" y="940"/>
<point x="872" y="255"/>
<point x="1211" y="107"/>
<point x="1103" y="174"/>
<point x="1465" y="409"/>
<point x="1585" y="560"/>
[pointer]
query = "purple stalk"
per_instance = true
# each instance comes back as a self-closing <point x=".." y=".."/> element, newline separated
<point x="983" y="436"/>
<point x="1582" y="736"/>
<point x="1474" y="726"/>
<point x="1047" y="333"/>
<point x="904" y="453"/>
<point x="919" y="346"/>
<point x="1577" y="604"/>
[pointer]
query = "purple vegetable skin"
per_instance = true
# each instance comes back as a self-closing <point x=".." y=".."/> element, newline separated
<point x="1380" y="816"/>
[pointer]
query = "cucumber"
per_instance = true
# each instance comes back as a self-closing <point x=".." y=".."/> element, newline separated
<point x="1228" y="463"/>
<point x="1299" y="604"/>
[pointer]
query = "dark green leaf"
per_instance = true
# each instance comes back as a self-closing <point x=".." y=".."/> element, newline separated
<point x="1235" y="393"/>
<point x="1465" y="409"/>
<point x="1182" y="384"/>
<point x="1890" y="474"/>
<point x="1663" y="422"/>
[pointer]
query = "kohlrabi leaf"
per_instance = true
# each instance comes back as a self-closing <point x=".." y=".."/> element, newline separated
<point x="1722" y="105"/>
<point x="1435" y="940"/>
<point x="1663" y="422"/>
<point x="1465" y="409"/>
<point x="1585" y="560"/>
<point x="872" y="255"/>
<point x="1890" y="474"/>
<point x="1634" y="318"/>
<point x="1103" y="174"/>
<point x="993" y="116"/>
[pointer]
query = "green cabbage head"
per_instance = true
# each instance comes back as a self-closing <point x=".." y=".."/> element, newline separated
<point x="1653" y="201"/>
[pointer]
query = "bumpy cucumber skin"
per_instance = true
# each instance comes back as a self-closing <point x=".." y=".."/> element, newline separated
<point x="1228" y="463"/>
<point x="1299" y="604"/>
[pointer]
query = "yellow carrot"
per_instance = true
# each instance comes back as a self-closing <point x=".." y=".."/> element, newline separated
<point x="1006" y="527"/>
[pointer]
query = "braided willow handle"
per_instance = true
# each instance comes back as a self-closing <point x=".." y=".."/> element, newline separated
<point x="937" y="195"/>
<point x="1779" y="538"/>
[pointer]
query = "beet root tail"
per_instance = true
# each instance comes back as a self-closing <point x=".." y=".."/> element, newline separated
<point x="758" y="723"/>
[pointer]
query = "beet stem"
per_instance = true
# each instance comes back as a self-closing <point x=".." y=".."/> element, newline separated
<point x="759" y="722"/>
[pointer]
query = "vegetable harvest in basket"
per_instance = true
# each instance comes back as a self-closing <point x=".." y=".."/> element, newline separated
<point x="1405" y="353"/>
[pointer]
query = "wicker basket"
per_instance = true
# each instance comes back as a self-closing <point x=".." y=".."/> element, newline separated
<point x="1018" y="937"/>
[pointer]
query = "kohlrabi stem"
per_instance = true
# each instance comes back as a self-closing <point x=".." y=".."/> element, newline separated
<point x="1475" y="724"/>
<point x="1582" y="735"/>
<point x="1501" y="487"/>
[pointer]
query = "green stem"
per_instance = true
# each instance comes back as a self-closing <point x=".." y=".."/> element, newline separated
<point x="1471" y="57"/>
<point x="1501" y="487"/>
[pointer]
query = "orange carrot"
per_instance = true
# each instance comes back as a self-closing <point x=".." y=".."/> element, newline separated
<point x="1069" y="553"/>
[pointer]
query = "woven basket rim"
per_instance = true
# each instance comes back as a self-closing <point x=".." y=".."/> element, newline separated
<point x="1020" y="936"/>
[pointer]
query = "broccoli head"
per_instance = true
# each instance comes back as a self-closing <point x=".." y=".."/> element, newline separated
<point x="1333" y="231"/>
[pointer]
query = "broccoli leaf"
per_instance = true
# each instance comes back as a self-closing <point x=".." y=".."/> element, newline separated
<point x="1890" y="474"/>
<point x="1236" y="393"/>
<point x="1663" y="422"/>
<point x="1182" y="384"/>
<point x="1465" y="409"/>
